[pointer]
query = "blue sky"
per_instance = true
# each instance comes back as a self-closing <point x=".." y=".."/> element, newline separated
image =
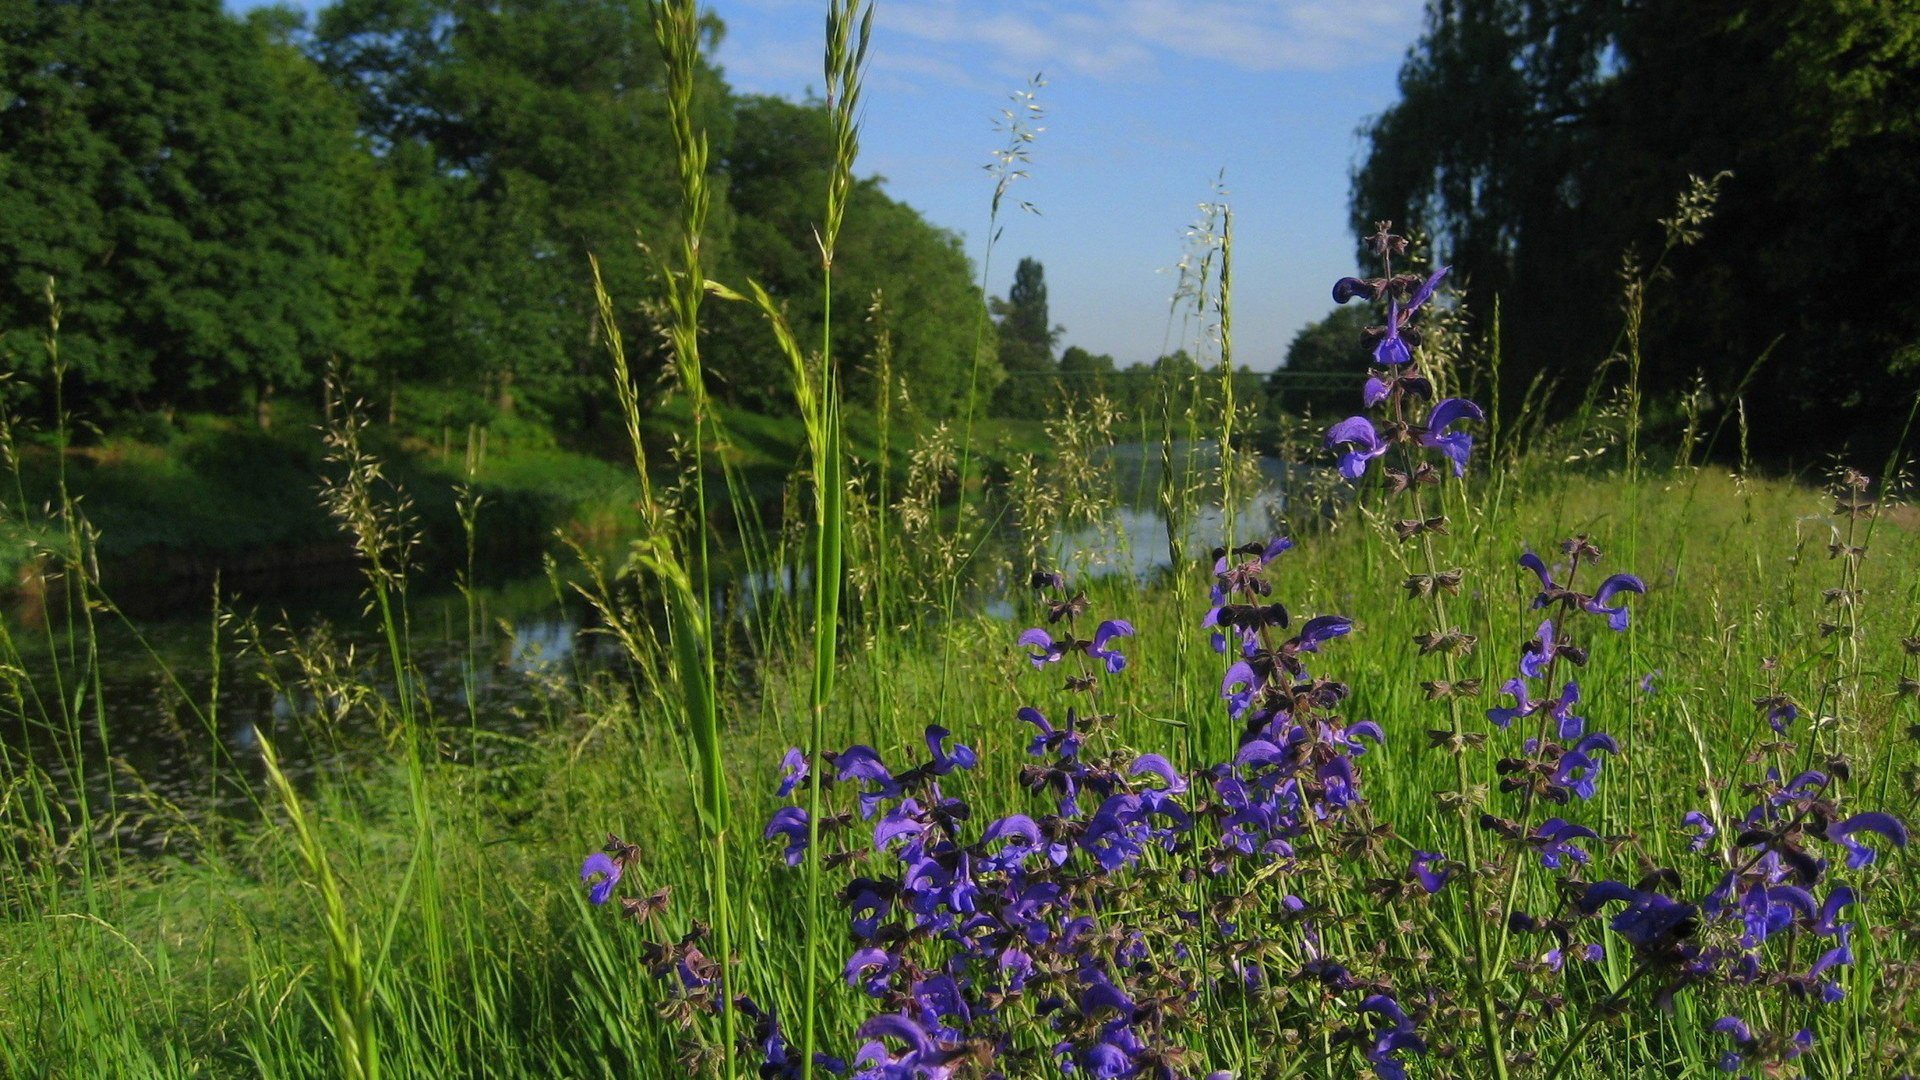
<point x="1146" y="102"/>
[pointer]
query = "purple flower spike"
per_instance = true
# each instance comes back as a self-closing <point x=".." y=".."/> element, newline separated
<point x="1358" y="432"/>
<point x="600" y="873"/>
<point x="1456" y="445"/>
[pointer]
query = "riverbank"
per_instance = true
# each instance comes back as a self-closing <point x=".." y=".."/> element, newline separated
<point x="181" y="501"/>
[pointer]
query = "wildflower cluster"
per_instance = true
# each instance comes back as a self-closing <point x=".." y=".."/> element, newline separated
<point x="1138" y="915"/>
<point x="1396" y="389"/>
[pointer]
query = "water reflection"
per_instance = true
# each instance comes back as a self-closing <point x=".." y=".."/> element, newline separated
<point x="196" y="749"/>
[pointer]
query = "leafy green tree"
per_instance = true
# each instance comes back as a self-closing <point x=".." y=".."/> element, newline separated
<point x="1322" y="369"/>
<point x="200" y="195"/>
<point x="1537" y="143"/>
<point x="529" y="134"/>
<point x="1084" y="375"/>
<point x="776" y="165"/>
<point x="1027" y="336"/>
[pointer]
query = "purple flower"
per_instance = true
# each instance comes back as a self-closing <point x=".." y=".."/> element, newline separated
<point x="790" y="822"/>
<point x="1706" y="831"/>
<point x="1350" y="288"/>
<point x="1049" y="651"/>
<point x="1423" y="870"/>
<point x="1392" y="350"/>
<point x="869" y="968"/>
<point x="1024" y="836"/>
<point x="1552" y="592"/>
<point x="793" y="769"/>
<point x="1539" y="652"/>
<point x="962" y="757"/>
<point x="600" y="873"/>
<point x="1358" y="432"/>
<point x="1456" y="445"/>
<point x="1650" y="921"/>
<point x="1156" y="765"/>
<point x="1104" y="633"/>
<point x="1613" y="586"/>
<point x="1376" y="391"/>
<point x="863" y="763"/>
<point x="1858" y="854"/>
<point x="1065" y="742"/>
<point x="1502" y="717"/>
<point x="1554" y="837"/>
<point x="1321" y="629"/>
<point x="920" y="1046"/>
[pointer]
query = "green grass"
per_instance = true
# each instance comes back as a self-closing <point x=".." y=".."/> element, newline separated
<point x="215" y="965"/>
<point x="403" y="909"/>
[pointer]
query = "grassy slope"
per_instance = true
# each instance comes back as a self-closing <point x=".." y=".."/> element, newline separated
<point x="216" y="961"/>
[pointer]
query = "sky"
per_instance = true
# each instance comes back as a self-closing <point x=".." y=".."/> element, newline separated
<point x="1147" y="104"/>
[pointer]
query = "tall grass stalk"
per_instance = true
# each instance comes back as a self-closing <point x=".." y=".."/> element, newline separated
<point x="350" y="986"/>
<point x="688" y="581"/>
<point x="849" y="30"/>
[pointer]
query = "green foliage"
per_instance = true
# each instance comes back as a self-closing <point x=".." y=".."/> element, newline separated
<point x="409" y="190"/>
<point x="777" y="167"/>
<point x="198" y="192"/>
<point x="1537" y="143"/>
<point x="1031" y="390"/>
<point x="1321" y="360"/>
<point x="1085" y="375"/>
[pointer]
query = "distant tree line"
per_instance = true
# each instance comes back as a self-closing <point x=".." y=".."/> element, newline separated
<point x="1038" y="384"/>
<point x="1538" y="143"/>
<point x="409" y="190"/>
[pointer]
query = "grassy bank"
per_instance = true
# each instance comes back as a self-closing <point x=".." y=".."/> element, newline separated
<point x="181" y="499"/>
<point x="484" y="959"/>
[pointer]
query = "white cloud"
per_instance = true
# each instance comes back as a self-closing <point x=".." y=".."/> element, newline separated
<point x="1112" y="38"/>
<point x="981" y="44"/>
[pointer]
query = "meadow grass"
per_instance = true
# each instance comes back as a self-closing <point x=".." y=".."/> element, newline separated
<point x="409" y="910"/>
<point x="217" y="964"/>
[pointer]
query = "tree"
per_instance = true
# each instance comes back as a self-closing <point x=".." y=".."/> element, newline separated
<point x="1538" y="143"/>
<point x="1322" y="365"/>
<point x="531" y="134"/>
<point x="1032" y="389"/>
<point x="187" y="178"/>
<point x="1084" y="376"/>
<point x="776" y="165"/>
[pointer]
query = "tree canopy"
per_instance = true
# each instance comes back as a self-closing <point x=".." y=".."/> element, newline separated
<point x="410" y="190"/>
<point x="1538" y="144"/>
<point x="1027" y="337"/>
